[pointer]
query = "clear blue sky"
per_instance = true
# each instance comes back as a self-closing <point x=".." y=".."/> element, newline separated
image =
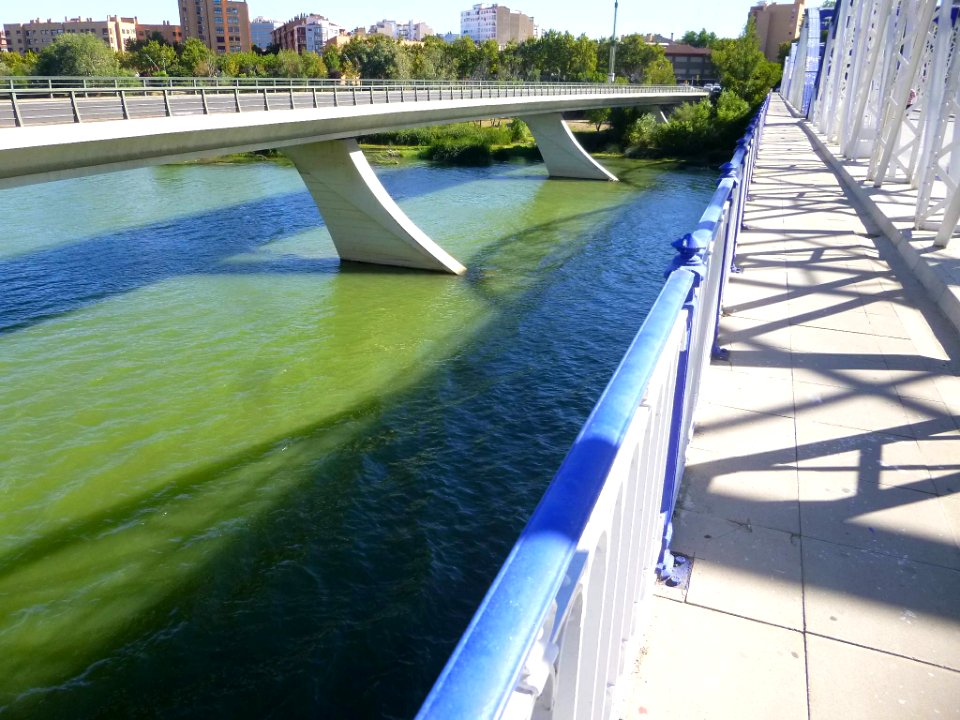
<point x="724" y="17"/>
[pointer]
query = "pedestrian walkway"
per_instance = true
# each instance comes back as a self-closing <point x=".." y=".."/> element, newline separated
<point x="821" y="500"/>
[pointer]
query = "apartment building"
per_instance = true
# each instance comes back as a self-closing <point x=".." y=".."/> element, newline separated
<point x="3" y="40"/>
<point x="691" y="64"/>
<point x="173" y="34"/>
<point x="777" y="24"/>
<point x="306" y="33"/>
<point x="222" y="25"/>
<point x="414" y="30"/>
<point x="496" y="22"/>
<point x="38" y="34"/>
<point x="261" y="32"/>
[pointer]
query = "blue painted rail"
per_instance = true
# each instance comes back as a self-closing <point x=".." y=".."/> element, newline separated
<point x="564" y="618"/>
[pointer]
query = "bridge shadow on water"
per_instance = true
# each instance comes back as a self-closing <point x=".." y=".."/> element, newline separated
<point x="52" y="282"/>
<point x="377" y="608"/>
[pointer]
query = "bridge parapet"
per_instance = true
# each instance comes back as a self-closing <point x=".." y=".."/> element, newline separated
<point x="45" y="101"/>
<point x="564" y="616"/>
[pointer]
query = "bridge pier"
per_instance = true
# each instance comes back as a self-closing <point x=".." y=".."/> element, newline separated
<point x="366" y="224"/>
<point x="562" y="154"/>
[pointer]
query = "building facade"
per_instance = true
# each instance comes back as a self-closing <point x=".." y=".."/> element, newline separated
<point x="261" y="32"/>
<point x="3" y="40"/>
<point x="691" y="65"/>
<point x="776" y="24"/>
<point x="222" y="25"/>
<point x="414" y="30"/>
<point x="306" y="33"/>
<point x="38" y="34"/>
<point x="173" y="34"/>
<point x="496" y="22"/>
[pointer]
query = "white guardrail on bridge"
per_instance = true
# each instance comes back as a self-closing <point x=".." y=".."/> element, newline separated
<point x="563" y="620"/>
<point x="54" y="100"/>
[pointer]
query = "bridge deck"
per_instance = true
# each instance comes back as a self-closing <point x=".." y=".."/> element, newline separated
<point x="821" y="501"/>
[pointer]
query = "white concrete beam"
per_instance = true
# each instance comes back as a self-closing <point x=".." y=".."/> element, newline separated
<point x="562" y="154"/>
<point x="364" y="221"/>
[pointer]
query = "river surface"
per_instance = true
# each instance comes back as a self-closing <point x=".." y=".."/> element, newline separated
<point x="238" y="479"/>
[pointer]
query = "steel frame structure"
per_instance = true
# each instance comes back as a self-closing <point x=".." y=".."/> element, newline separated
<point x="889" y="93"/>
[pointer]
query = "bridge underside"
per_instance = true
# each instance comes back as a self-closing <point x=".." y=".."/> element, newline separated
<point x="364" y="221"/>
<point x="368" y="226"/>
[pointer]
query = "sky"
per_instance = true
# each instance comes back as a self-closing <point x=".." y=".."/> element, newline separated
<point x="724" y="17"/>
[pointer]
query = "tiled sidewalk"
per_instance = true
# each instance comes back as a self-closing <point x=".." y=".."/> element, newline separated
<point x="821" y="501"/>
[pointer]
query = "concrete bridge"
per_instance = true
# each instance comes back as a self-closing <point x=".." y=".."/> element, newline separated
<point x="70" y="129"/>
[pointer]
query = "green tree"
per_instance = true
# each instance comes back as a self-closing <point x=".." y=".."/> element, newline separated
<point x="464" y="57"/>
<point x="331" y="60"/>
<point x="17" y="65"/>
<point x="197" y="60"/>
<point x="782" y="52"/>
<point x="374" y="56"/>
<point x="659" y="72"/>
<point x="700" y="39"/>
<point x="634" y="55"/>
<point x="151" y="58"/>
<point x="80" y="54"/>
<point x="598" y="116"/>
<point x="743" y="68"/>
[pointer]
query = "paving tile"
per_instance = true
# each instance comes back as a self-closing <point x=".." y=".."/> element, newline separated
<point x="730" y="432"/>
<point x="756" y="489"/>
<point x="742" y="569"/>
<point x="855" y="457"/>
<point x="880" y="409"/>
<point x="744" y="392"/>
<point x="882" y="602"/>
<point x="703" y="664"/>
<point x="882" y="687"/>
<point x="736" y="333"/>
<point x="902" y="523"/>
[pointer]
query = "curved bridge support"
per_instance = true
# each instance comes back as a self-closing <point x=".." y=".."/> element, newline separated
<point x="562" y="154"/>
<point x="364" y="221"/>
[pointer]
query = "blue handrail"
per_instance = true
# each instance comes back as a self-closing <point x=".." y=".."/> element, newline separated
<point x="485" y="666"/>
<point x="488" y="664"/>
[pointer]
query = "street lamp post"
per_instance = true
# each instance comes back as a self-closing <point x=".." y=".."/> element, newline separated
<point x="613" y="44"/>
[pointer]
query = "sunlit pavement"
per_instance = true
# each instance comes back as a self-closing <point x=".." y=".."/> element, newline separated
<point x="821" y="501"/>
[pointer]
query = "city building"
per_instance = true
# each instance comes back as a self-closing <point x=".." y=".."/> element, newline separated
<point x="306" y="33"/>
<point x="384" y="27"/>
<point x="222" y="25"/>
<point x="496" y="22"/>
<point x="37" y="34"/>
<point x="173" y="34"/>
<point x="691" y="64"/>
<point x="776" y="24"/>
<point x="3" y="40"/>
<point x="261" y="32"/>
<point x="414" y="30"/>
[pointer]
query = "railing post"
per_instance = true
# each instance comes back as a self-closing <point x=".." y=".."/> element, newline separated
<point x="203" y="100"/>
<point x="371" y="94"/>
<point x="336" y="100"/>
<point x="315" y="106"/>
<point x="166" y="102"/>
<point x="73" y="104"/>
<point x="293" y="105"/>
<point x="123" y="104"/>
<point x="353" y="91"/>
<point x="690" y="252"/>
<point x="236" y="97"/>
<point x="266" y="100"/>
<point x="17" y="119"/>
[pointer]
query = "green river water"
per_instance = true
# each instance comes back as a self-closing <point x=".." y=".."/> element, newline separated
<point x="240" y="480"/>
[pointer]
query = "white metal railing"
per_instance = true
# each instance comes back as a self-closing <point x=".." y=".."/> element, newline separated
<point x="564" y="617"/>
<point x="889" y="93"/>
<point x="44" y="101"/>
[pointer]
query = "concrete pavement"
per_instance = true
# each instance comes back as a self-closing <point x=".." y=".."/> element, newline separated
<point x="821" y="501"/>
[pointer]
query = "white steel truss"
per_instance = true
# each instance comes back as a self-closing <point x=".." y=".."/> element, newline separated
<point x="890" y="91"/>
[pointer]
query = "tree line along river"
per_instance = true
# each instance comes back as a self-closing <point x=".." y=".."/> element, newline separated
<point x="239" y="479"/>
